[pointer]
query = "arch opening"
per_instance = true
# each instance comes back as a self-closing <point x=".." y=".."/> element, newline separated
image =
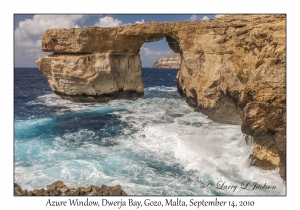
<point x="126" y="66"/>
<point x="156" y="59"/>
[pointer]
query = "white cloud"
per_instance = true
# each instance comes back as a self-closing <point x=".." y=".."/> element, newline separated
<point x="205" y="18"/>
<point x="217" y="16"/>
<point x="140" y="22"/>
<point x="145" y="51"/>
<point x="149" y="57"/>
<point x="40" y="23"/>
<point x="108" y="22"/>
<point x="28" y="34"/>
<point x="193" y="17"/>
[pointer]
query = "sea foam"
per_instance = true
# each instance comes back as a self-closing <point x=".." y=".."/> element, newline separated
<point x="156" y="145"/>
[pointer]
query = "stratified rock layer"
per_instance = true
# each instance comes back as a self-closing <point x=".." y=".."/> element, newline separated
<point x="170" y="62"/>
<point x="60" y="189"/>
<point x="94" y="76"/>
<point x="231" y="67"/>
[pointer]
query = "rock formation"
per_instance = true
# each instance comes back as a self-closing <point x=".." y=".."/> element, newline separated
<point x="170" y="62"/>
<point x="232" y="69"/>
<point x="60" y="189"/>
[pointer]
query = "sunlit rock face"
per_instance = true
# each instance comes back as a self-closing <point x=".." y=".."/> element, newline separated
<point x="231" y="67"/>
<point x="94" y="76"/>
<point x="169" y="62"/>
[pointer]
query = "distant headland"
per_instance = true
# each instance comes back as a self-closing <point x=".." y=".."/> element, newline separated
<point x="169" y="62"/>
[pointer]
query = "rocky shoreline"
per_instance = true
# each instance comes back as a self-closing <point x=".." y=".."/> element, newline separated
<point x="58" y="188"/>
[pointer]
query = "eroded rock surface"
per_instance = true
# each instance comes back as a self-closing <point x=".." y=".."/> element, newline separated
<point x="60" y="189"/>
<point x="267" y="124"/>
<point x="229" y="67"/>
<point x="169" y="62"/>
<point x="94" y="76"/>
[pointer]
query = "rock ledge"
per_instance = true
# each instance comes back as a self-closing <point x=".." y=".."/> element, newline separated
<point x="58" y="188"/>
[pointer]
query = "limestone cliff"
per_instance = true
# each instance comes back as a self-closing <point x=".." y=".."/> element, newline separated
<point x="170" y="62"/>
<point x="232" y="69"/>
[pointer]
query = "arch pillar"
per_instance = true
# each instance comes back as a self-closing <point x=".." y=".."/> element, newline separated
<point x="96" y="77"/>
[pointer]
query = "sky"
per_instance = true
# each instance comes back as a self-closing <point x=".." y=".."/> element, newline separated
<point x="29" y="29"/>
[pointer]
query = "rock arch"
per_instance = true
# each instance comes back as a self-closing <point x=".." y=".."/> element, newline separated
<point x="233" y="69"/>
<point x="98" y="64"/>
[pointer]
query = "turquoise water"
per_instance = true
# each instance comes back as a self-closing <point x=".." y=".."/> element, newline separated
<point x="156" y="145"/>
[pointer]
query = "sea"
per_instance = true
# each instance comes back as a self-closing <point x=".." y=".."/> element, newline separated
<point x="156" y="145"/>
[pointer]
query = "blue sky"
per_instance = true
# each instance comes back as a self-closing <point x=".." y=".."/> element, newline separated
<point x="29" y="29"/>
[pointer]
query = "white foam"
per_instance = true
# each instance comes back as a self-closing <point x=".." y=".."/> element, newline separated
<point x="53" y="100"/>
<point x="197" y="143"/>
<point x="31" y="123"/>
<point x="166" y="148"/>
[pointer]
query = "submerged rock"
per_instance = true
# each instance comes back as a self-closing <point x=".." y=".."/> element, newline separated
<point x="58" y="188"/>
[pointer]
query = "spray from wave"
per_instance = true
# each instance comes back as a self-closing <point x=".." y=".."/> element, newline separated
<point x="156" y="145"/>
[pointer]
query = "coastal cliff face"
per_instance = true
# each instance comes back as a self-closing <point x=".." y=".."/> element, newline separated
<point x="232" y="69"/>
<point x="170" y="62"/>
